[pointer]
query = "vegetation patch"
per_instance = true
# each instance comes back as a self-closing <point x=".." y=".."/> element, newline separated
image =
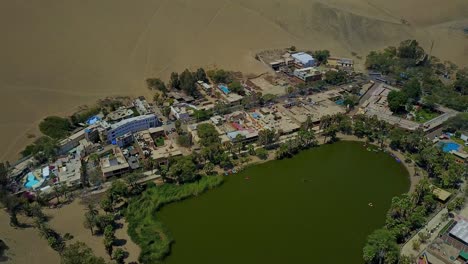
<point x="423" y="115"/>
<point x="55" y="127"/>
<point x="144" y="226"/>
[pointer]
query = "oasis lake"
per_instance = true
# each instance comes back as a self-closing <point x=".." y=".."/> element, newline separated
<point x="317" y="207"/>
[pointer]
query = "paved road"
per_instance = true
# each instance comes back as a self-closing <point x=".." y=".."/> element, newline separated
<point x="432" y="224"/>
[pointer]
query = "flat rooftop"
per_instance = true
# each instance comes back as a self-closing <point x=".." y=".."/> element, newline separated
<point x="460" y="231"/>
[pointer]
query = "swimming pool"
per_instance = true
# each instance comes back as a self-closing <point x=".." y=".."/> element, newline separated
<point x="31" y="180"/>
<point x="224" y="89"/>
<point x="449" y="146"/>
<point x="339" y="102"/>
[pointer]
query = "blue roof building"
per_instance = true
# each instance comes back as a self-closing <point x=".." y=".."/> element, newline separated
<point x="303" y="59"/>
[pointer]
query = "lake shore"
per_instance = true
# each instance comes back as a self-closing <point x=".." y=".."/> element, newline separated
<point x="68" y="218"/>
<point x="411" y="168"/>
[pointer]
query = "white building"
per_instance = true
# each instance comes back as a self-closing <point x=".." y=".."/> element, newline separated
<point x="303" y="59"/>
<point x="130" y="125"/>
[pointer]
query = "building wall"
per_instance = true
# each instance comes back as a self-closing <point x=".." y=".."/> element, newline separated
<point x="132" y="127"/>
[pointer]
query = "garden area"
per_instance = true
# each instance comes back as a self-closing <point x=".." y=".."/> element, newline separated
<point x="422" y="115"/>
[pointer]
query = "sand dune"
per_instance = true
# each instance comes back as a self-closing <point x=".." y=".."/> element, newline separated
<point x="56" y="55"/>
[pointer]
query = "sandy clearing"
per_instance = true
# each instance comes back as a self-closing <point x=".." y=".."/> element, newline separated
<point x="25" y="244"/>
<point x="69" y="219"/>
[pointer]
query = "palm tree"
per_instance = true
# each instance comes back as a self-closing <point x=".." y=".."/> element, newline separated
<point x="91" y="209"/>
<point x="251" y="149"/>
<point x="56" y="192"/>
<point x="89" y="222"/>
<point x="132" y="181"/>
<point x="64" y="190"/>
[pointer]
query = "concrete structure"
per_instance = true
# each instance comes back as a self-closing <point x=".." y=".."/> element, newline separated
<point x="206" y="87"/>
<point x="441" y="194"/>
<point x="120" y="114"/>
<point x="142" y="106"/>
<point x="283" y="62"/>
<point x="181" y="97"/>
<point x="131" y="125"/>
<point x="232" y="99"/>
<point x="460" y="155"/>
<point x="340" y="62"/>
<point x="460" y="231"/>
<point x="114" y="164"/>
<point x="161" y="154"/>
<point x="124" y="140"/>
<point x="377" y="105"/>
<point x="69" y="170"/>
<point x="303" y="59"/>
<point x="182" y="111"/>
<point x="71" y="142"/>
<point x="156" y="132"/>
<point x="308" y="74"/>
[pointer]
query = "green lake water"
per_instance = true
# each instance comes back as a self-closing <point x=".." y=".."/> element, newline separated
<point x="313" y="208"/>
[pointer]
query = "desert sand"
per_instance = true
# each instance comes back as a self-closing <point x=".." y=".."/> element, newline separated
<point x="25" y="244"/>
<point x="56" y="55"/>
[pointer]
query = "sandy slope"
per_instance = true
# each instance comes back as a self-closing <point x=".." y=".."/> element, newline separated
<point x="25" y="245"/>
<point x="56" y="54"/>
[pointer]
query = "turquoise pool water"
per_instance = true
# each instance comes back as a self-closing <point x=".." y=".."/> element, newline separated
<point x="340" y="102"/>
<point x="224" y="89"/>
<point x="447" y="147"/>
<point x="30" y="181"/>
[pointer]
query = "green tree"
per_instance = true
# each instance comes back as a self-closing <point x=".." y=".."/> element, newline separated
<point x="166" y="111"/>
<point x="43" y="149"/>
<point x="336" y="77"/>
<point x="381" y="247"/>
<point x="89" y="222"/>
<point x="266" y="136"/>
<point x="220" y="76"/>
<point x="3" y="175"/>
<point x="188" y="82"/>
<point x="261" y="153"/>
<point x="201" y="75"/>
<point x="79" y="253"/>
<point x="118" y="190"/>
<point x="175" y="81"/>
<point x="184" y="141"/>
<point x="106" y="205"/>
<point x="457" y="123"/>
<point x="55" y="127"/>
<point x="322" y="55"/>
<point x="351" y="100"/>
<point x="208" y="135"/>
<point x="119" y="255"/>
<point x="412" y="89"/>
<point x="183" y="169"/>
<point x="397" y="101"/>
<point x="108" y="243"/>
<point x="410" y="49"/>
<point x="157" y="84"/>
<point x="3" y="249"/>
<point x="208" y="168"/>
<point x="236" y="87"/>
<point x="132" y="180"/>
<point x="382" y="61"/>
<point x="461" y="81"/>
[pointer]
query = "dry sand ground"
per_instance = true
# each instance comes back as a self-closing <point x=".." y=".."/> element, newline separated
<point x="26" y="246"/>
<point x="56" y="55"/>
